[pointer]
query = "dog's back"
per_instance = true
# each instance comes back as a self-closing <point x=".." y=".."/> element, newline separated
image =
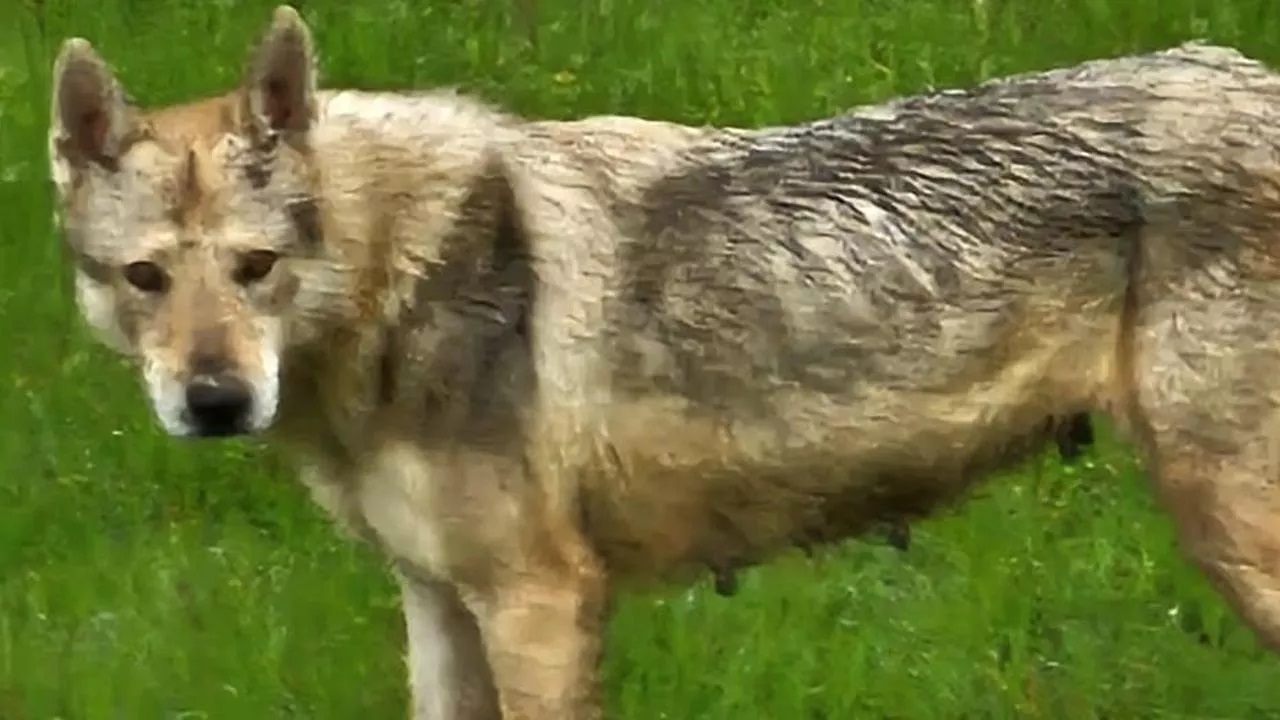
<point x="804" y="328"/>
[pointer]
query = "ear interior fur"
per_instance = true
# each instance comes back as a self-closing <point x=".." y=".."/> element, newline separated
<point x="280" y="83"/>
<point x="90" y="115"/>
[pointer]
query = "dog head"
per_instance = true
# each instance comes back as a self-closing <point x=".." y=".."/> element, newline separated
<point x="191" y="227"/>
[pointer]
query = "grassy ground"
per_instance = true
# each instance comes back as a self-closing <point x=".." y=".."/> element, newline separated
<point x="145" y="578"/>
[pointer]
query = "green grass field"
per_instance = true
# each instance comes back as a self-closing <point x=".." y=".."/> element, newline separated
<point x="145" y="578"/>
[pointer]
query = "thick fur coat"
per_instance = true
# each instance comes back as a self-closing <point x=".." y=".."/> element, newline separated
<point x="535" y="360"/>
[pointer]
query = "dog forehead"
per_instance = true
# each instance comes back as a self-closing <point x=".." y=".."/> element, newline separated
<point x="165" y="183"/>
<point x="183" y="184"/>
<point x="198" y="138"/>
<point x="205" y="120"/>
<point x="188" y="177"/>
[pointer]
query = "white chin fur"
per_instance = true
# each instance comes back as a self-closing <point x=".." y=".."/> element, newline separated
<point x="168" y="397"/>
<point x="266" y="387"/>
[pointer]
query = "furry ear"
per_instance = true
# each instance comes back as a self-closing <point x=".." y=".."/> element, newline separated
<point x="280" y="83"/>
<point x="90" y="116"/>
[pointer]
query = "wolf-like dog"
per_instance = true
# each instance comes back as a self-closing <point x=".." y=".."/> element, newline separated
<point x="534" y="361"/>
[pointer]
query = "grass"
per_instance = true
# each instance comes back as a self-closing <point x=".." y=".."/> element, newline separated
<point x="142" y="577"/>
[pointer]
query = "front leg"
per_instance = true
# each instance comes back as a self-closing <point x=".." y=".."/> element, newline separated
<point x="542" y="630"/>
<point x="449" y="676"/>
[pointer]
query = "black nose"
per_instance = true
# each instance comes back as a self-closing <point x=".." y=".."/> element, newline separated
<point x="218" y="405"/>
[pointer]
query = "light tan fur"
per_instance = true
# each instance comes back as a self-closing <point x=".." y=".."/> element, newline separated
<point x="535" y="360"/>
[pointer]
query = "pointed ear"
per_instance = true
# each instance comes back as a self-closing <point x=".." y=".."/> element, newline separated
<point x="90" y="116"/>
<point x="280" y="83"/>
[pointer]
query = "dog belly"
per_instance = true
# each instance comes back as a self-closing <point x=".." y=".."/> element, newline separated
<point x="674" y="491"/>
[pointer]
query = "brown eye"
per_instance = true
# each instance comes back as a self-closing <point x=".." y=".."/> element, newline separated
<point x="146" y="276"/>
<point x="255" y="265"/>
